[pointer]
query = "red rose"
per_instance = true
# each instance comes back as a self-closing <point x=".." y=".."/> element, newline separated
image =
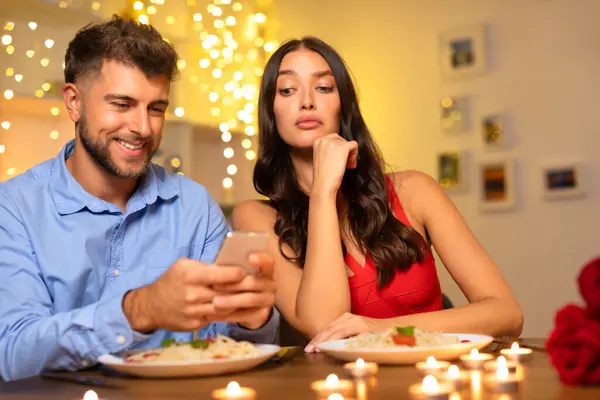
<point x="574" y="346"/>
<point x="589" y="285"/>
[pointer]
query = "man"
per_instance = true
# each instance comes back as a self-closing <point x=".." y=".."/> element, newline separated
<point x="102" y="251"/>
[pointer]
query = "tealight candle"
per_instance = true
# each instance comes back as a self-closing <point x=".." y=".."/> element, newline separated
<point x="234" y="391"/>
<point x="456" y="378"/>
<point x="502" y="381"/>
<point x="432" y="366"/>
<point x="361" y="369"/>
<point x="516" y="353"/>
<point x="335" y="396"/>
<point x="332" y="385"/>
<point x="430" y="389"/>
<point x="475" y="359"/>
<point x="491" y="366"/>
<point x="90" y="395"/>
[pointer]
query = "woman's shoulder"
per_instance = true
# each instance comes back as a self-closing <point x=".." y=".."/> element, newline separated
<point x="412" y="181"/>
<point x="253" y="214"/>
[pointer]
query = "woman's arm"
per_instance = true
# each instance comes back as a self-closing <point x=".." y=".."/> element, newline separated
<point x="324" y="275"/>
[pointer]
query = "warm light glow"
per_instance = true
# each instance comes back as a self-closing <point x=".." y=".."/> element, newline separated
<point x="431" y="361"/>
<point x="474" y="353"/>
<point x="49" y="43"/>
<point x="226" y="137"/>
<point x="6" y="40"/>
<point x="45" y="87"/>
<point x="8" y="94"/>
<point x="447" y="102"/>
<point x="230" y="21"/>
<point x="332" y="381"/>
<point x="501" y="361"/>
<point x="18" y="77"/>
<point x="231" y="169"/>
<point x="260" y="18"/>
<point x="54" y="111"/>
<point x="45" y="62"/>
<point x="213" y="96"/>
<point x="204" y="63"/>
<point x="30" y="53"/>
<point x="246" y="143"/>
<point x="138" y="5"/>
<point x="430" y="384"/>
<point x="9" y="26"/>
<point x="238" y="75"/>
<point x="197" y="17"/>
<point x="214" y="53"/>
<point x="32" y="25"/>
<point x="90" y="395"/>
<point x="170" y="20"/>
<point x="175" y="162"/>
<point x="453" y="372"/>
<point x="514" y="347"/>
<point x="228" y="152"/>
<point x="10" y="49"/>
<point x="250" y="130"/>
<point x="2" y="148"/>
<point x="39" y="93"/>
<point x="10" y="171"/>
<point x="223" y="126"/>
<point x="502" y="372"/>
<point x="151" y="10"/>
<point x="216" y="11"/>
<point x="95" y="6"/>
<point x="198" y="26"/>
<point x="10" y="72"/>
<point x="360" y="363"/>
<point x="259" y="42"/>
<point x="335" y="396"/>
<point x="249" y="108"/>
<point x="269" y="47"/>
<point x="181" y="64"/>
<point x="179" y="111"/>
<point x="250" y="155"/>
<point x="227" y="183"/>
<point x="229" y="86"/>
<point x="237" y="7"/>
<point x="215" y="111"/>
<point x="217" y="73"/>
<point x="143" y="18"/>
<point x="233" y="388"/>
<point x="54" y="135"/>
<point x="63" y="4"/>
<point x="218" y="23"/>
<point x="5" y="125"/>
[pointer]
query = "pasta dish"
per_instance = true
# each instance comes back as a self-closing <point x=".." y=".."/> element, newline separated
<point x="200" y="349"/>
<point x="407" y="336"/>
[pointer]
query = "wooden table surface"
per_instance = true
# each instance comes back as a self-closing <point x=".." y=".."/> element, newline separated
<point x="290" y="381"/>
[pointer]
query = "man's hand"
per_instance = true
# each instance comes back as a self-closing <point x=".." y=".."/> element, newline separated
<point x="248" y="302"/>
<point x="182" y="298"/>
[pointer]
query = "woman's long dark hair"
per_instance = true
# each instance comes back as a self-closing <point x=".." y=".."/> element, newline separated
<point x="392" y="245"/>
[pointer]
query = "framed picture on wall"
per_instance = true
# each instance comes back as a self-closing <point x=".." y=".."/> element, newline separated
<point x="563" y="181"/>
<point x="493" y="133"/>
<point x="454" y="114"/>
<point x="497" y="189"/>
<point x="462" y="52"/>
<point x="451" y="171"/>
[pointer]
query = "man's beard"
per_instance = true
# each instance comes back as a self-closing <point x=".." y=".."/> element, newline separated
<point x="100" y="153"/>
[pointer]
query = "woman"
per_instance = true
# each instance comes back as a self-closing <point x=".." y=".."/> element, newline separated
<point x="352" y="246"/>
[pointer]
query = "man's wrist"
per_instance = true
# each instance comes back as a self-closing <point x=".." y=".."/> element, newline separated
<point x="134" y="308"/>
<point x="255" y="327"/>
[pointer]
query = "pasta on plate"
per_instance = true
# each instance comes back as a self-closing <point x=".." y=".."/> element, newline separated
<point x="400" y="336"/>
<point x="222" y="347"/>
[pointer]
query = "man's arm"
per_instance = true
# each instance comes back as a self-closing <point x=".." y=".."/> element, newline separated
<point x="32" y="336"/>
<point x="217" y="229"/>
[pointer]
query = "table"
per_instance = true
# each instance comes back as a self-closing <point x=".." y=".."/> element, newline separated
<point x="289" y="381"/>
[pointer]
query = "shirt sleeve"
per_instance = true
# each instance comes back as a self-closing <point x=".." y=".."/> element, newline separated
<point x="32" y="336"/>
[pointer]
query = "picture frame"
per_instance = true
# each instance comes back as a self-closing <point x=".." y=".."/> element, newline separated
<point x="462" y="52"/>
<point x="451" y="171"/>
<point x="496" y="185"/>
<point x="454" y="114"/>
<point x="563" y="181"/>
<point x="494" y="135"/>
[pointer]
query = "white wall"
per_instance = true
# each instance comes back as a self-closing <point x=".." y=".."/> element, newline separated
<point x="544" y="76"/>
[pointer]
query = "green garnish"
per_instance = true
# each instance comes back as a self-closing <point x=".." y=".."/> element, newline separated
<point x="406" y="330"/>
<point x="167" y="342"/>
<point x="199" y="344"/>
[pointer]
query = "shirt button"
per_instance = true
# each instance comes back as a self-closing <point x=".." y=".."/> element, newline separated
<point x="120" y="339"/>
<point x="116" y="272"/>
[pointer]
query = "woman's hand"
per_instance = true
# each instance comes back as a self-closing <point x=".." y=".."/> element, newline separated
<point x="345" y="326"/>
<point x="332" y="155"/>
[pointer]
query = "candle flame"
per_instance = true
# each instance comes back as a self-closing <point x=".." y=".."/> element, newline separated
<point x="453" y="372"/>
<point x="475" y="353"/>
<point x="233" y="389"/>
<point x="501" y="361"/>
<point x="90" y="395"/>
<point x="502" y="372"/>
<point x="332" y="381"/>
<point x="514" y="347"/>
<point x="430" y="361"/>
<point x="360" y="363"/>
<point x="430" y="384"/>
<point x="335" y="396"/>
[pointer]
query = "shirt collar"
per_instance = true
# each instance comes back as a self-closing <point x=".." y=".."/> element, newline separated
<point x="70" y="197"/>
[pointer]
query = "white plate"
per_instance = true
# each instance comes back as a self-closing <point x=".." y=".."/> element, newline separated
<point x="406" y="355"/>
<point x="172" y="369"/>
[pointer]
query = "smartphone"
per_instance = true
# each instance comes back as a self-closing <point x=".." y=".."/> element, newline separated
<point x="238" y="246"/>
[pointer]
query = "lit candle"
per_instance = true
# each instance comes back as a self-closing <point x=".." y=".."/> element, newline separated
<point x="456" y="378"/>
<point x="475" y="359"/>
<point x="332" y="385"/>
<point x="491" y="366"/>
<point x="430" y="389"/>
<point x="335" y="396"/>
<point x="517" y="353"/>
<point x="361" y="369"/>
<point x="432" y="366"/>
<point x="90" y="395"/>
<point x="502" y="381"/>
<point x="234" y="391"/>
